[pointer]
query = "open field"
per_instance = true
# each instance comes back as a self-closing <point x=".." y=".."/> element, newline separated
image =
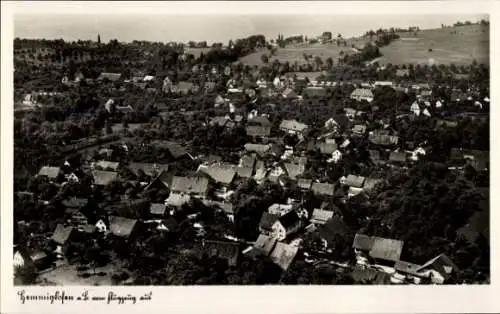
<point x="68" y="275"/>
<point x="458" y="45"/>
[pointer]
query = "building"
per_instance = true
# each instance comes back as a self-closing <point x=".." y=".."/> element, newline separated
<point x="258" y="131"/>
<point x="353" y="181"/>
<point x="283" y="255"/>
<point x="380" y="250"/>
<point x="151" y="170"/>
<point x="321" y="216"/>
<point x="157" y="209"/>
<point x="219" y="174"/>
<point x="193" y="186"/>
<point x="293" y="127"/>
<point x="264" y="245"/>
<point x="104" y="178"/>
<point x="260" y="149"/>
<point x="322" y="189"/>
<point x="225" y="250"/>
<point x="360" y="94"/>
<point x="122" y="227"/>
<point x="62" y="237"/>
<point x="112" y="77"/>
<point x="52" y="173"/>
<point x="107" y="165"/>
<point x="280" y="209"/>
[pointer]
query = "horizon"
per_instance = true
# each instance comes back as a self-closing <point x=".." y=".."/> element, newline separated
<point x="214" y="28"/>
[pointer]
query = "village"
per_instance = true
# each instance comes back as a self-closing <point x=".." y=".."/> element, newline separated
<point x="268" y="173"/>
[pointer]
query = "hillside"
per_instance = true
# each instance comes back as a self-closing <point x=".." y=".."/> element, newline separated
<point x="458" y="45"/>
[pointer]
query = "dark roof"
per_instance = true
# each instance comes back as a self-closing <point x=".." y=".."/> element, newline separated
<point x="188" y="185"/>
<point x="374" y="155"/>
<point x="62" y="234"/>
<point x="256" y="130"/>
<point x="228" y="208"/>
<point x="407" y="268"/>
<point x="121" y="226"/>
<point x="267" y="220"/>
<point x="442" y="263"/>
<point x="264" y="245"/>
<point x="322" y="188"/>
<point x="157" y="209"/>
<point x="149" y="169"/>
<point x="104" y="177"/>
<point x="223" y="249"/>
<point x="289" y="219"/>
<point x="333" y="227"/>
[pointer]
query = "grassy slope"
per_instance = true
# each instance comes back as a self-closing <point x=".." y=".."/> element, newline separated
<point x="470" y="42"/>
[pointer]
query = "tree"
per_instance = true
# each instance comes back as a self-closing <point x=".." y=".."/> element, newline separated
<point x="264" y="58"/>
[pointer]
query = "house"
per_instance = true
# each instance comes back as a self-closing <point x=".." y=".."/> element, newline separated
<point x="359" y="129"/>
<point x="304" y="184"/>
<point x="397" y="157"/>
<point x="177" y="200"/>
<point x="289" y="94"/>
<point x="151" y="170"/>
<point x="440" y="268"/>
<point x="285" y="225"/>
<point x="103" y="178"/>
<point x="320" y="216"/>
<point x="402" y="73"/>
<point x="226" y="250"/>
<point x="350" y="113"/>
<point x="293" y="127"/>
<point x="112" y="77"/>
<point x="382" y="250"/>
<point x="51" y="173"/>
<point x="161" y="182"/>
<point x="193" y="186"/>
<point x="175" y="150"/>
<point x="157" y="209"/>
<point x="370" y="184"/>
<point x="353" y="181"/>
<point x="336" y="157"/>
<point x="280" y="209"/>
<point x="107" y="165"/>
<point x="283" y="255"/>
<point x="220" y="174"/>
<point x="75" y="203"/>
<point x="62" y="237"/>
<point x="122" y="227"/>
<point x="266" y="223"/>
<point x="227" y="208"/>
<point x="360" y="94"/>
<point x="39" y="259"/>
<point x="258" y="131"/>
<point x="327" y="148"/>
<point x="264" y="245"/>
<point x="259" y="120"/>
<point x="294" y="170"/>
<point x="101" y="226"/>
<point x="260" y="149"/>
<point x="322" y="189"/>
<point x="383" y="139"/>
<point x="314" y="92"/>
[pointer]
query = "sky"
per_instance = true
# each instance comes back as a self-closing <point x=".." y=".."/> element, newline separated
<point x="212" y="28"/>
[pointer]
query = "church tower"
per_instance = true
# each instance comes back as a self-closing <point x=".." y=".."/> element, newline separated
<point x="98" y="38"/>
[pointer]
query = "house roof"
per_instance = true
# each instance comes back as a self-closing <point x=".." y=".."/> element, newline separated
<point x="177" y="200"/>
<point x="397" y="156"/>
<point x="257" y="130"/>
<point x="293" y="125"/>
<point x="362" y="92"/>
<point x="322" y="188"/>
<point x="103" y="164"/>
<point x="51" y="172"/>
<point x="441" y="263"/>
<point x="315" y="91"/>
<point x="264" y="244"/>
<point x="386" y="249"/>
<point x="362" y="242"/>
<point x="109" y="76"/>
<point x="248" y="161"/>
<point x="175" y="149"/>
<point x="327" y="148"/>
<point x="402" y="72"/>
<point x="223" y="249"/>
<point x="321" y="216"/>
<point x="219" y="173"/>
<point x="149" y="169"/>
<point x="62" y="234"/>
<point x="304" y="183"/>
<point x="383" y="139"/>
<point x="354" y="181"/>
<point x="157" y="209"/>
<point x="259" y="148"/>
<point x="219" y="120"/>
<point x="104" y="177"/>
<point x="260" y="120"/>
<point x="289" y="219"/>
<point x="280" y="208"/>
<point x="369" y="275"/>
<point x="370" y="183"/>
<point x="294" y="170"/>
<point x="407" y="268"/>
<point x="121" y="226"/>
<point x="267" y="220"/>
<point x="244" y="172"/>
<point x="188" y="185"/>
<point x="284" y="254"/>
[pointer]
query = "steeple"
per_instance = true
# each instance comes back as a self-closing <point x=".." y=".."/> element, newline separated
<point x="98" y="38"/>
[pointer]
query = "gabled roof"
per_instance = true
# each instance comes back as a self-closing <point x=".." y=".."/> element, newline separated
<point x="441" y="263"/>
<point x="267" y="221"/>
<point x="322" y="188"/>
<point x="362" y="92"/>
<point x="259" y="148"/>
<point x="228" y="208"/>
<point x="157" y="209"/>
<point x="321" y="216"/>
<point x="260" y="120"/>
<point x="62" y="234"/>
<point x="149" y="169"/>
<point x="50" y="172"/>
<point x="284" y="254"/>
<point x="244" y="172"/>
<point x="103" y="164"/>
<point x="188" y="185"/>
<point x="264" y="244"/>
<point x="327" y="148"/>
<point x="104" y="177"/>
<point x="223" y="249"/>
<point x="219" y="173"/>
<point x="354" y="181"/>
<point x="293" y="125"/>
<point x="257" y="130"/>
<point x="386" y="249"/>
<point x="294" y="170"/>
<point x="121" y="226"/>
<point x="407" y="268"/>
<point x="383" y="139"/>
<point x="362" y="242"/>
<point x="248" y="160"/>
<point x="304" y="183"/>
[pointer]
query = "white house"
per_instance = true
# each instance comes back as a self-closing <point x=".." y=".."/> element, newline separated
<point x="101" y="226"/>
<point x="336" y="157"/>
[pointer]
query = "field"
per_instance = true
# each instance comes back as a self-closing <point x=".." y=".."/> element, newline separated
<point x="458" y="45"/>
<point x="67" y="275"/>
